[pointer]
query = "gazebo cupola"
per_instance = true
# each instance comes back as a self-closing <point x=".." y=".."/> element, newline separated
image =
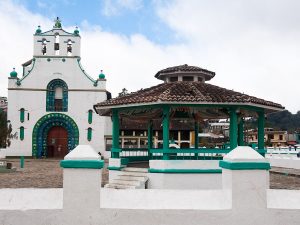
<point x="184" y="73"/>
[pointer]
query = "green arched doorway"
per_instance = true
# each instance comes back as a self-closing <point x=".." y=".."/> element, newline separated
<point x="45" y="126"/>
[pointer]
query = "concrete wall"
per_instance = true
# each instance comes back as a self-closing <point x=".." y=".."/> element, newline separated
<point x="244" y="199"/>
<point x="180" y="180"/>
<point x="286" y="161"/>
<point x="185" y="180"/>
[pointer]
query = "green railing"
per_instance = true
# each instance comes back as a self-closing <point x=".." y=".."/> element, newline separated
<point x="135" y="154"/>
<point x="189" y="153"/>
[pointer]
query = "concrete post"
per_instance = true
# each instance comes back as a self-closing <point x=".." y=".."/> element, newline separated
<point x="82" y="179"/>
<point x="245" y="174"/>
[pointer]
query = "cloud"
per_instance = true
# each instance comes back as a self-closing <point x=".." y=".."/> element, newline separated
<point x="253" y="46"/>
<point x="115" y="7"/>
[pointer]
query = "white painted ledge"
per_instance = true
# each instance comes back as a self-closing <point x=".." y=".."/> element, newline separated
<point x="31" y="198"/>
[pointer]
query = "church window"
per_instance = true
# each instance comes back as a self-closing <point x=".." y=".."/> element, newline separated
<point x="56" y="44"/>
<point x="69" y="48"/>
<point x="28" y="116"/>
<point x="22" y="114"/>
<point x="90" y="116"/>
<point x="21" y="133"/>
<point x="57" y="96"/>
<point x="44" y="46"/>
<point x="89" y="134"/>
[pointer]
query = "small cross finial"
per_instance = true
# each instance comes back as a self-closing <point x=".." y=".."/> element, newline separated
<point x="57" y="23"/>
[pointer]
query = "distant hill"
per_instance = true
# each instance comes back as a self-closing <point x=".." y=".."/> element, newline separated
<point x="284" y="120"/>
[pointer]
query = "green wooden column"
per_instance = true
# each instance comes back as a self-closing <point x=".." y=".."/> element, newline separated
<point x="233" y="129"/>
<point x="196" y="135"/>
<point x="166" y="123"/>
<point x="241" y="133"/>
<point x="150" y="137"/>
<point x="115" y="133"/>
<point x="261" y="131"/>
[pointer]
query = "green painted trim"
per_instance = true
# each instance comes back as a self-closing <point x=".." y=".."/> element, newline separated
<point x="137" y="158"/>
<point x="241" y="132"/>
<point x="22" y="133"/>
<point x="115" y="133"/>
<point x="150" y="170"/>
<point x="261" y="130"/>
<point x="82" y="164"/>
<point x="52" y="119"/>
<point x="245" y="106"/>
<point x="244" y="165"/>
<point x="196" y="135"/>
<point x="89" y="134"/>
<point x="89" y="77"/>
<point x="190" y="150"/>
<point x="233" y="129"/>
<point x="166" y="125"/>
<point x="22" y="115"/>
<point x="115" y="168"/>
<point x="22" y="162"/>
<point x="90" y="116"/>
<point x="29" y="71"/>
<point x="124" y="161"/>
<point x="113" y="150"/>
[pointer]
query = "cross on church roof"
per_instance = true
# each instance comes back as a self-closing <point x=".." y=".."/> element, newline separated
<point x="57" y="23"/>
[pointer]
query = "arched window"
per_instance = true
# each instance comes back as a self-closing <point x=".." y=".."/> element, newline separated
<point x="57" y="96"/>
<point x="90" y="116"/>
<point x="21" y="133"/>
<point x="89" y="134"/>
<point x="22" y="115"/>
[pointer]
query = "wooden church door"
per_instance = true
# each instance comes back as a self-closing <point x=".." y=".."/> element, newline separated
<point x="57" y="142"/>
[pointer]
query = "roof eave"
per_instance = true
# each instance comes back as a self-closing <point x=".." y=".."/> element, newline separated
<point x="271" y="108"/>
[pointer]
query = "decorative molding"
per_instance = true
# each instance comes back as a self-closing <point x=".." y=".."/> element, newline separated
<point x="44" y="124"/>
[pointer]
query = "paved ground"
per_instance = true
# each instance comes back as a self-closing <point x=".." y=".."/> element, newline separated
<point x="46" y="173"/>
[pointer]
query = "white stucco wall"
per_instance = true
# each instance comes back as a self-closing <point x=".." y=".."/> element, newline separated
<point x="286" y="161"/>
<point x="52" y="198"/>
<point x="185" y="180"/>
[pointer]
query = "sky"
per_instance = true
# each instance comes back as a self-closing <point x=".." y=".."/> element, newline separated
<point x="253" y="46"/>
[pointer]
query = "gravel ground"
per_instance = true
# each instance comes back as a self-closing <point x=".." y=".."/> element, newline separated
<point x="46" y="173"/>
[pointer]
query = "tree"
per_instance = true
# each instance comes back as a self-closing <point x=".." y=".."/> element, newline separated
<point x="3" y="129"/>
<point x="123" y="92"/>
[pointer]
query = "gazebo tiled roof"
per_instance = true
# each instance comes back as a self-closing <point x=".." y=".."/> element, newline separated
<point x="192" y="92"/>
<point x="185" y="69"/>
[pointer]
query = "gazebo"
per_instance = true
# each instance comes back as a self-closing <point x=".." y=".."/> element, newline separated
<point x="185" y="95"/>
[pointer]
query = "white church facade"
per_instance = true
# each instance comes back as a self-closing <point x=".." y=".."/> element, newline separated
<point x="50" y="107"/>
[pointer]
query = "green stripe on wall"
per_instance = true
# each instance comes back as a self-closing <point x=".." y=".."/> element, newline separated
<point x="184" y="170"/>
<point x="245" y="165"/>
<point x="87" y="164"/>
